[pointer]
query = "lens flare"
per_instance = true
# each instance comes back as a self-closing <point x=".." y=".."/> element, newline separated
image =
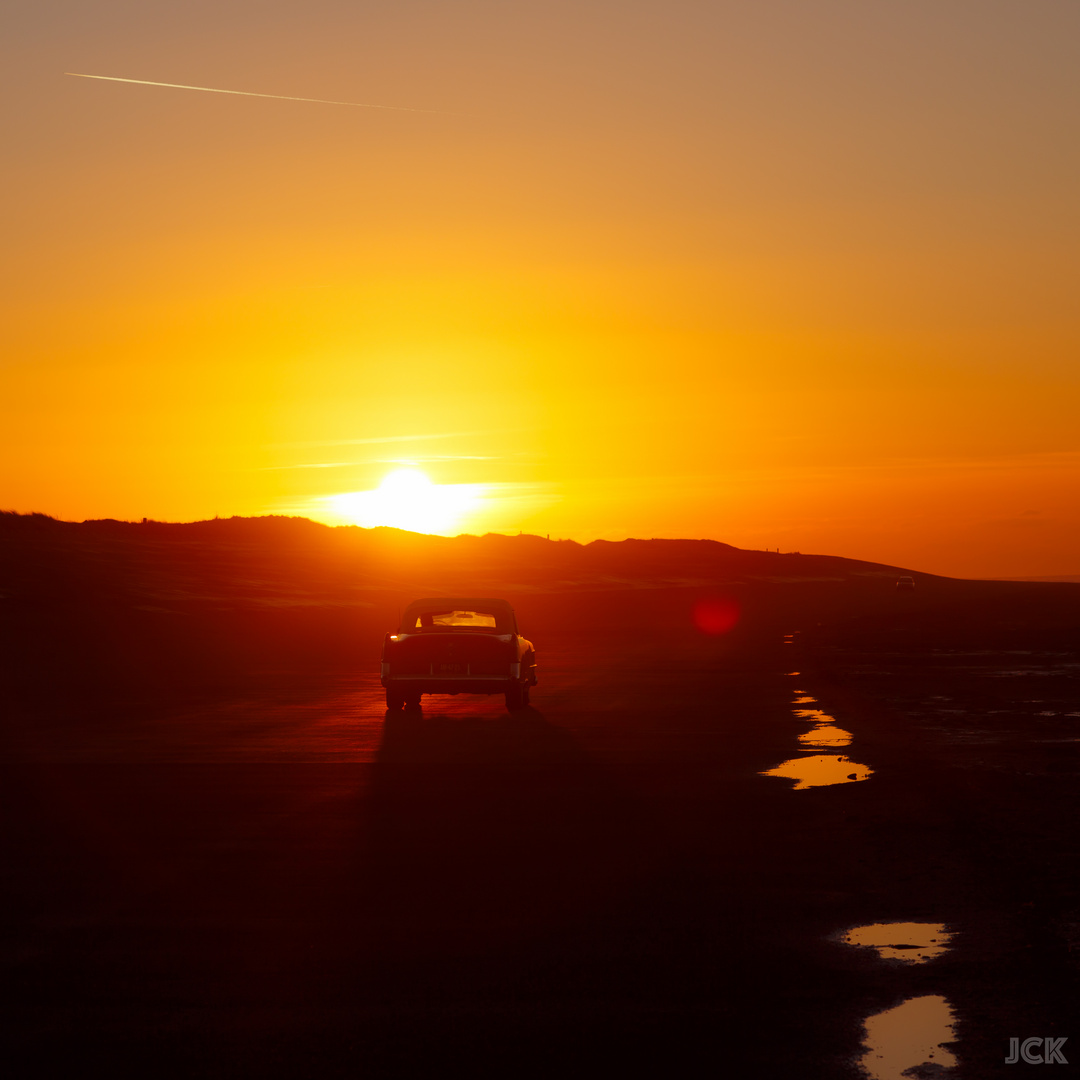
<point x="716" y="615"/>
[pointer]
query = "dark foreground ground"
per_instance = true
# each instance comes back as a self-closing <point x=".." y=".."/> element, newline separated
<point x="255" y="871"/>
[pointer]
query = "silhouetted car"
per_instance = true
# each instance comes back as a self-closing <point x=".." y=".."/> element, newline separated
<point x="457" y="645"/>
<point x="905" y="584"/>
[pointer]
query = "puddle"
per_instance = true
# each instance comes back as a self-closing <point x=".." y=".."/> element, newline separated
<point x="825" y="735"/>
<point x="821" y="771"/>
<point x="908" y="942"/>
<point x="819" y="716"/>
<point x="907" y="1041"/>
<point x="826" y="731"/>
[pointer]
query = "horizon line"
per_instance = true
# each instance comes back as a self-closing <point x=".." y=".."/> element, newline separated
<point x="1049" y="579"/>
<point x="456" y="536"/>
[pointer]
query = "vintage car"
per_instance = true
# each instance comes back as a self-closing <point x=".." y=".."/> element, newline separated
<point x="457" y="645"/>
<point x="905" y="584"/>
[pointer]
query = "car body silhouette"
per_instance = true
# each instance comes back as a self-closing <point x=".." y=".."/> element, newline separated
<point x="905" y="584"/>
<point x="457" y="645"/>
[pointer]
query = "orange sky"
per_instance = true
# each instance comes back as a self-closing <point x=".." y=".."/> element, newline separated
<point x="793" y="275"/>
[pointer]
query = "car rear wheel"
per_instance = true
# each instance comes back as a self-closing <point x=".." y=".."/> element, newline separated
<point x="412" y="702"/>
<point x="394" y="699"/>
<point x="517" y="697"/>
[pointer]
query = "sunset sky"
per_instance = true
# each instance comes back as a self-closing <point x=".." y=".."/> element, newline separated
<point x="790" y="274"/>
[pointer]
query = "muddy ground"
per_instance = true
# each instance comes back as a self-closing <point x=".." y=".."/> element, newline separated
<point x="245" y="867"/>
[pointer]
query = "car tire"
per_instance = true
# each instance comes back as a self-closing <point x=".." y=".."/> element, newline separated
<point x="412" y="702"/>
<point x="395" y="699"/>
<point x="516" y="698"/>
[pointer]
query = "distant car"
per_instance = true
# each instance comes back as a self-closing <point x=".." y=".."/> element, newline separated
<point x="905" y="584"/>
<point x="457" y="645"/>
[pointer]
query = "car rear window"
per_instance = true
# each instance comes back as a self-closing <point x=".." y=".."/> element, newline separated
<point x="461" y="620"/>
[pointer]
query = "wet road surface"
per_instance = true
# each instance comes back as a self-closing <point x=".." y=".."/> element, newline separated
<point x="295" y="883"/>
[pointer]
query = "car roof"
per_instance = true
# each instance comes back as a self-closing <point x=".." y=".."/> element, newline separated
<point x="486" y="605"/>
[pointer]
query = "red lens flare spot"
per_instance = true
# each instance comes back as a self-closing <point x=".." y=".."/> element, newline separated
<point x="717" y="615"/>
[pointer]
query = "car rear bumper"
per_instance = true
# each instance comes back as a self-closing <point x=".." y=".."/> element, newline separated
<point x="450" y="684"/>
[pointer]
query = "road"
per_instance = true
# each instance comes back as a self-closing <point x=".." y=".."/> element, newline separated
<point x="291" y="882"/>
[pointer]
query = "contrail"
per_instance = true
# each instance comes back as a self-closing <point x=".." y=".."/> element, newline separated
<point x="394" y="438"/>
<point x="249" y="93"/>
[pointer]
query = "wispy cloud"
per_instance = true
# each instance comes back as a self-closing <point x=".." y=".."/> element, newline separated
<point x="313" y="465"/>
<point x="381" y="439"/>
<point x="435" y="457"/>
<point x="381" y="461"/>
<point x="250" y="93"/>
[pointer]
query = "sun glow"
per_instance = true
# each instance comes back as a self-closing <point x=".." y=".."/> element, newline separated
<point x="408" y="499"/>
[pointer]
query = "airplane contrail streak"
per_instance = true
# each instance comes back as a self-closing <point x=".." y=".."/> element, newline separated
<point x="249" y="93"/>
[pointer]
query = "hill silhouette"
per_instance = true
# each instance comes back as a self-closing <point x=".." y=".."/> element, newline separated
<point x="95" y="606"/>
<point x="374" y="556"/>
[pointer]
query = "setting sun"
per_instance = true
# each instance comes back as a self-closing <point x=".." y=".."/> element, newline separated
<point x="408" y="499"/>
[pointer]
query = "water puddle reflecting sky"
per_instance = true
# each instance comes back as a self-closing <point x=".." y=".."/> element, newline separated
<point x="907" y="1040"/>
<point x="819" y="716"/>
<point x="814" y="769"/>
<point x="826" y="735"/>
<point x="908" y="942"/>
<point x="821" y="771"/>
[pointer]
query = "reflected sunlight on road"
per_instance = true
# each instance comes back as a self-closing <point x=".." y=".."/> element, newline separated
<point x="825" y="735"/>
<point x="819" y="770"/>
<point x="900" y="1040"/>
<point x="909" y="942"/>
